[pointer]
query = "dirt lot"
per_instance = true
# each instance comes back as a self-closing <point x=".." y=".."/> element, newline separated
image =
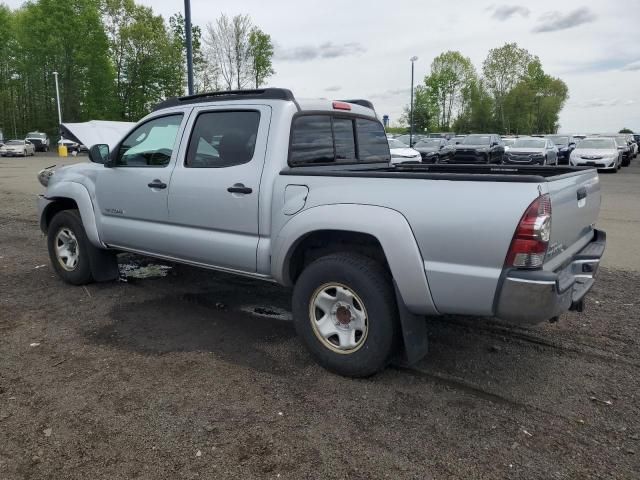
<point x="179" y="377"/>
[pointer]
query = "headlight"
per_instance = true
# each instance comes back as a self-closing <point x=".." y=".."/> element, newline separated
<point x="44" y="175"/>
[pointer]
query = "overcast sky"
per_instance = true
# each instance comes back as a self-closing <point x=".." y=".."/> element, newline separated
<point x="361" y="48"/>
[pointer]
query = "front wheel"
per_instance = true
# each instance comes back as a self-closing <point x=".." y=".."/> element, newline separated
<point x="344" y="310"/>
<point x="69" y="248"/>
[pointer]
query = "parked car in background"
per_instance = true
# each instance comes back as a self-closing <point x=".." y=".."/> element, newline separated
<point x="600" y="152"/>
<point x="624" y="146"/>
<point x="401" y="153"/>
<point x="435" y="150"/>
<point x="405" y="138"/>
<point x="445" y="135"/>
<point x="532" y="151"/>
<point x="565" y="144"/>
<point x="483" y="148"/>
<point x="72" y="147"/>
<point x="633" y="144"/>
<point x="40" y="141"/>
<point x="508" y="142"/>
<point x="636" y="137"/>
<point x="457" y="139"/>
<point x="17" y="148"/>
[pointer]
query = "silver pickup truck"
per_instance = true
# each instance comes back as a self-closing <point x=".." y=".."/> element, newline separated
<point x="301" y="193"/>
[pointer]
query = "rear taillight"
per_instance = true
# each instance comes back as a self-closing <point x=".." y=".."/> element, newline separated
<point x="529" y="245"/>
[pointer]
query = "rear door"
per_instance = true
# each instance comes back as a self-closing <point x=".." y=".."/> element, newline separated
<point x="215" y="187"/>
<point x="575" y="204"/>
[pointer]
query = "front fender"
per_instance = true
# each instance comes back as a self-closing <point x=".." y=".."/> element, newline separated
<point x="80" y="195"/>
<point x="388" y="226"/>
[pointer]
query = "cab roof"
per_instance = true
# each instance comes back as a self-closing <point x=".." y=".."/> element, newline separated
<point x="357" y="106"/>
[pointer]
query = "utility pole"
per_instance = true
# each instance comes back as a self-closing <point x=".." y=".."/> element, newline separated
<point x="412" y="59"/>
<point x="187" y="32"/>
<point x="55" y="74"/>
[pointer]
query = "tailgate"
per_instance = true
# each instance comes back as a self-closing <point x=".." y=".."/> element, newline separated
<point x="575" y="204"/>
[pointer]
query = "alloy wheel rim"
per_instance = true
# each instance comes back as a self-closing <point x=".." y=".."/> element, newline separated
<point x="67" y="249"/>
<point x="339" y="318"/>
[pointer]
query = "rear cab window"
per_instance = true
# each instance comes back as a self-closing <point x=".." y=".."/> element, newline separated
<point x="326" y="139"/>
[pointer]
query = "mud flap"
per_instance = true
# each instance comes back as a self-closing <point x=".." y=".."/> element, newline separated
<point x="414" y="334"/>
<point x="104" y="264"/>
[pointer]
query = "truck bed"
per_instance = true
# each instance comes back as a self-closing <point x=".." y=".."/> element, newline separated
<point x="478" y="173"/>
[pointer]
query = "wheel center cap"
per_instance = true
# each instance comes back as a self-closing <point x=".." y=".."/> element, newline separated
<point x="343" y="315"/>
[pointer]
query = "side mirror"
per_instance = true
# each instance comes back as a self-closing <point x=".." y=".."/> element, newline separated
<point x="99" y="153"/>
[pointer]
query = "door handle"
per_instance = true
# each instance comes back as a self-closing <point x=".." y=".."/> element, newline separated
<point x="239" y="188"/>
<point x="157" y="184"/>
<point x="581" y="193"/>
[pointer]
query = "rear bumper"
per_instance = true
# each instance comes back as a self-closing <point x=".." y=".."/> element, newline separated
<point x="535" y="296"/>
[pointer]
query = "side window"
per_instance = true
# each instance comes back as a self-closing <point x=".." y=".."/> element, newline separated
<point x="372" y="141"/>
<point x="345" y="142"/>
<point x="223" y="139"/>
<point x="312" y="140"/>
<point x="151" y="144"/>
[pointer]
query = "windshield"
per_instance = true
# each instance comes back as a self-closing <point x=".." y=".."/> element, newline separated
<point x="597" y="144"/>
<point x="428" y="143"/>
<point x="529" y="143"/>
<point x="476" y="140"/>
<point x="622" y="142"/>
<point x="509" y="141"/>
<point x="559" y="140"/>
<point x="36" y="135"/>
<point x="394" y="143"/>
<point x="15" y="142"/>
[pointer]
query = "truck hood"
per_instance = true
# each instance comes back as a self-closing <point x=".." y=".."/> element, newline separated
<point x="529" y="150"/>
<point x="404" y="152"/>
<point x="97" y="131"/>
<point x="595" y="152"/>
<point x="470" y="146"/>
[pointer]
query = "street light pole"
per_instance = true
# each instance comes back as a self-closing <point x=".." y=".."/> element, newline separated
<point x="55" y="74"/>
<point x="187" y="31"/>
<point x="412" y="59"/>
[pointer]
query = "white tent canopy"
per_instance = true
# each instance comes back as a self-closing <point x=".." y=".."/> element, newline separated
<point x="97" y="131"/>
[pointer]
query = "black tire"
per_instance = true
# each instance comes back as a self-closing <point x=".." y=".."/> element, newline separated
<point x="373" y="285"/>
<point x="626" y="163"/>
<point x="81" y="273"/>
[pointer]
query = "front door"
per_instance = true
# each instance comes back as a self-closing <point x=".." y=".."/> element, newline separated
<point x="214" y="191"/>
<point x="131" y="197"/>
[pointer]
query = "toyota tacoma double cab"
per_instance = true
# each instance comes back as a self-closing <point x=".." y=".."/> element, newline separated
<point x="301" y="192"/>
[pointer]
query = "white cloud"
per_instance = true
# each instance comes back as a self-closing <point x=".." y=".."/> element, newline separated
<point x="306" y="53"/>
<point x="556" y="21"/>
<point x="505" y="12"/>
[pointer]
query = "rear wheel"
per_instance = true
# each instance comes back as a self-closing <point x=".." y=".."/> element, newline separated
<point x="69" y="248"/>
<point x="344" y="310"/>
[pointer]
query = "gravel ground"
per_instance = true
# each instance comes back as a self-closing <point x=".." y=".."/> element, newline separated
<point x="200" y="375"/>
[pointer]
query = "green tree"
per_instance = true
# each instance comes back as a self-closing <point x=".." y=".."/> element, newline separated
<point x="146" y="55"/>
<point x="261" y="53"/>
<point x="503" y="68"/>
<point x="425" y="110"/>
<point x="477" y="113"/>
<point x="625" y="130"/>
<point x="451" y="74"/>
<point x="38" y="48"/>
<point x="205" y="78"/>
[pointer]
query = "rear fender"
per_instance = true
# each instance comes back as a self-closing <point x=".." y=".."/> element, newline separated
<point x="388" y="226"/>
